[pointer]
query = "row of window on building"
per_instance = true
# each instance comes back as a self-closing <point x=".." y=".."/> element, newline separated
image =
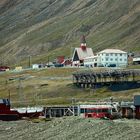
<point x="116" y="59"/>
<point x="112" y="54"/>
<point x="106" y="59"/>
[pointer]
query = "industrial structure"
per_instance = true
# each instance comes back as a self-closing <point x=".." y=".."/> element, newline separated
<point x="98" y="109"/>
<point x="92" y="79"/>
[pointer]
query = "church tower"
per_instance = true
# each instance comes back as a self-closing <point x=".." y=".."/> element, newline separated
<point x="83" y="43"/>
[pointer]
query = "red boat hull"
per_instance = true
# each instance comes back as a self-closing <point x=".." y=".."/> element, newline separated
<point x="31" y="114"/>
<point x="9" y="117"/>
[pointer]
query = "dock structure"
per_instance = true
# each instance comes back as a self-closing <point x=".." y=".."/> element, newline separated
<point x="93" y="79"/>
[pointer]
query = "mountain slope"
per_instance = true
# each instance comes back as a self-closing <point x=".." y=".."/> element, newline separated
<point x="53" y="27"/>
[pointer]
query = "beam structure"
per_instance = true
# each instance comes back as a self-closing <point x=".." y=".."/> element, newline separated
<point x="92" y="79"/>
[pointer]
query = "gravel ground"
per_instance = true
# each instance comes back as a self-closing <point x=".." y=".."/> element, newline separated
<point x="71" y="128"/>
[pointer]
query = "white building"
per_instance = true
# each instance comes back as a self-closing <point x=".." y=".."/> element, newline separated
<point x="35" y="66"/>
<point x="112" y="57"/>
<point x="136" y="59"/>
<point x="107" y="58"/>
<point x="91" y="61"/>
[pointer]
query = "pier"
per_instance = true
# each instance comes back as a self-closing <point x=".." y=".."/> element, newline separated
<point x="97" y="79"/>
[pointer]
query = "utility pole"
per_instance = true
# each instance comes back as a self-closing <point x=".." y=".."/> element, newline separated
<point x="9" y="94"/>
<point x="20" y="90"/>
<point x="30" y="63"/>
<point x="7" y="87"/>
<point x="48" y="60"/>
<point x="73" y="106"/>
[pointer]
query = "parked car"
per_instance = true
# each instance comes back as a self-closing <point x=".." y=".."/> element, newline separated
<point x="4" y="68"/>
<point x="112" y="65"/>
<point x="58" y="65"/>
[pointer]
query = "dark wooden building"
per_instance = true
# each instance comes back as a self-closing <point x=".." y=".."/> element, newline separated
<point x="137" y="106"/>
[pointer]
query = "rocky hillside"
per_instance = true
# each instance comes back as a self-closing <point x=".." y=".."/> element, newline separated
<point x="53" y="27"/>
<point x="71" y="128"/>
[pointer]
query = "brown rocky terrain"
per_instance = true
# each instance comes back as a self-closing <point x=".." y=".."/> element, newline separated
<point x="71" y="128"/>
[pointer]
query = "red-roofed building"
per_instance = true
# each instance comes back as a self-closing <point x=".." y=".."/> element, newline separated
<point x="81" y="53"/>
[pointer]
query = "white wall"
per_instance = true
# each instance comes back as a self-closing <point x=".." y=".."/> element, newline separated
<point x="136" y="59"/>
<point x="90" y="61"/>
<point x="119" y="59"/>
<point x="107" y="59"/>
<point x="35" y="66"/>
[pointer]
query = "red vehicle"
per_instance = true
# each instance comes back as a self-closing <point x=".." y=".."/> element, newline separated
<point x="4" y="68"/>
<point x="6" y="114"/>
<point x="98" y="111"/>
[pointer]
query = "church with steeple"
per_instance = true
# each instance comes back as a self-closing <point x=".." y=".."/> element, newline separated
<point x="81" y="52"/>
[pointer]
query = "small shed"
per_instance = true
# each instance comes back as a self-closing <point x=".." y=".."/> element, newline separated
<point x="19" y="68"/>
<point x="137" y="105"/>
<point x="37" y="66"/>
<point x="127" y="110"/>
<point x="60" y="59"/>
<point x="136" y="60"/>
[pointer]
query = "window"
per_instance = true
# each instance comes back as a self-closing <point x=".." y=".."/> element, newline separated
<point x="111" y="54"/>
<point x="120" y="59"/>
<point x="125" y="59"/>
<point x="106" y="59"/>
<point x="111" y="59"/>
<point x="115" y="54"/>
<point x="107" y="54"/>
<point x="105" y="110"/>
<point x="91" y="110"/>
<point x="82" y="110"/>
<point x="120" y="54"/>
<point x="116" y="59"/>
<point x="102" y="59"/>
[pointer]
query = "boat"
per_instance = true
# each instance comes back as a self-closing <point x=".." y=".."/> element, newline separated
<point x="30" y="112"/>
<point x="9" y="114"/>
<point x="6" y="114"/>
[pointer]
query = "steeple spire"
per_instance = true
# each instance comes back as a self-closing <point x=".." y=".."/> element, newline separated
<point x="83" y="43"/>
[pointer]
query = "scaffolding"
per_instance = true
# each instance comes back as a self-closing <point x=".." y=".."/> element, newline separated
<point x="92" y="79"/>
